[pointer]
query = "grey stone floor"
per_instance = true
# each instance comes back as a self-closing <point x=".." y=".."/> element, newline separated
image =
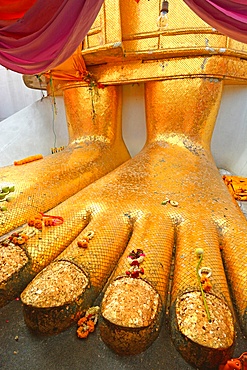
<point x="20" y="349"/>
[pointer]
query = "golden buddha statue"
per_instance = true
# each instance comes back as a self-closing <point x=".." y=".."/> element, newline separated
<point x="159" y="232"/>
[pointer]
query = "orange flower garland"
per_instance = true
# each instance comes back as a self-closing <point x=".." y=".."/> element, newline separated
<point x="206" y="285"/>
<point x="87" y="323"/>
<point x="28" y="159"/>
<point x="18" y="238"/>
<point x="41" y="220"/>
<point x="83" y="243"/>
<point x="235" y="363"/>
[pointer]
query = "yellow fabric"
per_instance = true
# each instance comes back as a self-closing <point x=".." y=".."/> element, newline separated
<point x="72" y="69"/>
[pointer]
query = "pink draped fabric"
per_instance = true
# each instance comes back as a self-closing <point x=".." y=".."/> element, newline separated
<point x="47" y="34"/>
<point x="51" y="30"/>
<point x="226" y="16"/>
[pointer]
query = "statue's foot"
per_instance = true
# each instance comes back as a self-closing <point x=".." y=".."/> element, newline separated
<point x="41" y="185"/>
<point x="62" y="174"/>
<point x="148" y="205"/>
<point x="96" y="148"/>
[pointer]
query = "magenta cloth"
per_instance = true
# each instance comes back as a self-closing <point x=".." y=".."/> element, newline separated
<point x="46" y="35"/>
<point x="226" y="16"/>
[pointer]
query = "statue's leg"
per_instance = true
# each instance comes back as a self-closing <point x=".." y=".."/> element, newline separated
<point x="95" y="148"/>
<point x="128" y="210"/>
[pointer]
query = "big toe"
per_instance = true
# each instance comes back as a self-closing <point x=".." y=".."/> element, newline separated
<point x="54" y="298"/>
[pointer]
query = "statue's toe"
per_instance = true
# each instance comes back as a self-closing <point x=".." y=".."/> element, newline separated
<point x="53" y="299"/>
<point x="203" y="343"/>
<point x="13" y="260"/>
<point x="131" y="315"/>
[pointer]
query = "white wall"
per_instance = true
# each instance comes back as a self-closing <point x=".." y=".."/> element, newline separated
<point x="133" y="116"/>
<point x="33" y="130"/>
<point x="14" y="95"/>
<point x="229" y="141"/>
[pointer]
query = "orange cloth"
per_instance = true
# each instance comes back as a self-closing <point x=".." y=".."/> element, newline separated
<point x="28" y="159"/>
<point x="72" y="69"/>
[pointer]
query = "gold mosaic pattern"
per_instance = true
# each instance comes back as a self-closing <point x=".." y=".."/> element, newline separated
<point x="95" y="148"/>
<point x="177" y="166"/>
<point x="118" y="36"/>
<point x="96" y="262"/>
<point x="168" y="200"/>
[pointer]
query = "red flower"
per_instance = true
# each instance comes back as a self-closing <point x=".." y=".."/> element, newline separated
<point x="135" y="274"/>
<point x="134" y="263"/>
<point x="132" y="255"/>
<point x="100" y="85"/>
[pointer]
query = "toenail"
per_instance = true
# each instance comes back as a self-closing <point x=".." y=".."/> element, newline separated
<point x="199" y="341"/>
<point x="192" y="322"/>
<point x="13" y="258"/>
<point x="130" y="303"/>
<point x="131" y="316"/>
<point x="50" y="289"/>
<point x="55" y="298"/>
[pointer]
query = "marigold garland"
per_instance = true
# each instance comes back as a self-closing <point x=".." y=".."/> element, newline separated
<point x="32" y="158"/>
<point x="18" y="238"/>
<point x="41" y="220"/>
<point x="206" y="285"/>
<point x="87" y="323"/>
<point x="235" y="363"/>
<point x="83" y="243"/>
